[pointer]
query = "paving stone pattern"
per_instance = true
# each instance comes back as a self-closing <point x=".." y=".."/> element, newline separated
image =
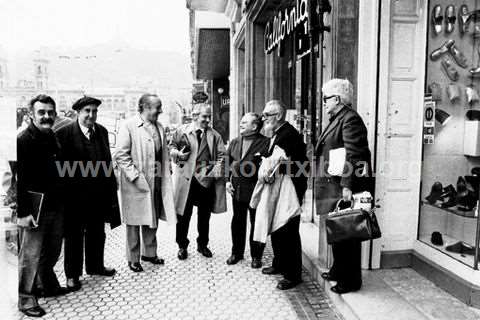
<point x="197" y="288"/>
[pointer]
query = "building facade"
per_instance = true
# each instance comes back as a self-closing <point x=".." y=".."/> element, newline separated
<point x="417" y="91"/>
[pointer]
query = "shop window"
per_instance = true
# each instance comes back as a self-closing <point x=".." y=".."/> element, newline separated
<point x="451" y="150"/>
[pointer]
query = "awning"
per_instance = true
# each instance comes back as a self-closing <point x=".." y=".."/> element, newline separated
<point x="212" y="54"/>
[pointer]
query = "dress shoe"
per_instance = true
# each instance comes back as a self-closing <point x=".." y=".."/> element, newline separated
<point x="270" y="270"/>
<point x="182" y="254"/>
<point x="106" y="272"/>
<point x="437" y="53"/>
<point x="154" y="260"/>
<point x="339" y="289"/>
<point x="449" y="69"/>
<point x="233" y="259"/>
<point x="437" y="19"/>
<point x="73" y="284"/>
<point x="435" y="193"/>
<point x="135" y="266"/>
<point x="60" y="291"/>
<point x="256" y="263"/>
<point x="205" y="252"/>
<point x="463" y="19"/>
<point x="450" y="18"/>
<point x="327" y="276"/>
<point x="286" y="284"/>
<point x="461" y="248"/>
<point x="35" y="312"/>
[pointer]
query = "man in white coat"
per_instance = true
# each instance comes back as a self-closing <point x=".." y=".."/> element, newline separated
<point x="199" y="177"/>
<point x="145" y="182"/>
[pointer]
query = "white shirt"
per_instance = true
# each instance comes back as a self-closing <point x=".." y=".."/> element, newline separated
<point x="85" y="130"/>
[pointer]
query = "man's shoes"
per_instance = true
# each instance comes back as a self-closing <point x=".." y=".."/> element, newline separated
<point x="270" y="270"/>
<point x="256" y="263"/>
<point x="106" y="272"/>
<point x="339" y="289"/>
<point x="234" y="259"/>
<point x="35" y="312"/>
<point x="327" y="276"/>
<point x="182" y="254"/>
<point x="135" y="266"/>
<point x="73" y="284"/>
<point x="205" y="252"/>
<point x="154" y="260"/>
<point x="286" y="284"/>
<point x="60" y="291"/>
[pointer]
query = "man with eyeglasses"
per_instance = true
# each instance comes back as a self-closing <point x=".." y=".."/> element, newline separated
<point x="286" y="244"/>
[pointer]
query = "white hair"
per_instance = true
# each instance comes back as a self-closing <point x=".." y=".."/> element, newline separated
<point x="340" y="87"/>
<point x="280" y="106"/>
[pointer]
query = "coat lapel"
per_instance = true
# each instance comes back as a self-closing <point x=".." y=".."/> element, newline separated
<point x="210" y="141"/>
<point x="332" y="125"/>
<point x="77" y="136"/>
<point x="251" y="148"/>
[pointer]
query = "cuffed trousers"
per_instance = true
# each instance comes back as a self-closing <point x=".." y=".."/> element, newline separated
<point x="141" y="237"/>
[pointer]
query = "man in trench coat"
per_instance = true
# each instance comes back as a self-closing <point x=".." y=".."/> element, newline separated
<point x="145" y="183"/>
<point x="198" y="178"/>
<point x="345" y="130"/>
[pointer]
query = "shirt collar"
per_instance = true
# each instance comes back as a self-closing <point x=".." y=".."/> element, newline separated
<point x="85" y="129"/>
<point x="336" y="113"/>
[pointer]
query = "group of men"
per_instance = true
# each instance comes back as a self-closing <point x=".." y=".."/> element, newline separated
<point x="72" y="168"/>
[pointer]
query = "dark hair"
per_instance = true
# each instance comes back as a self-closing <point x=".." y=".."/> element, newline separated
<point x="43" y="98"/>
<point x="257" y="120"/>
<point x="144" y="99"/>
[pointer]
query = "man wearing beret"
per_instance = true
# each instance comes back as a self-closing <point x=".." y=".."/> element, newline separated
<point x="92" y="192"/>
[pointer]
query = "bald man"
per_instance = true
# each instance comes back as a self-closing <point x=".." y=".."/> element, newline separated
<point x="286" y="244"/>
<point x="199" y="177"/>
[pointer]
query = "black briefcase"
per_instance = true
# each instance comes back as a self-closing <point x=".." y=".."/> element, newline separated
<point x="351" y="224"/>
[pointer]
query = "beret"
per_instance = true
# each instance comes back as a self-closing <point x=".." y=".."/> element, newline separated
<point x="85" y="101"/>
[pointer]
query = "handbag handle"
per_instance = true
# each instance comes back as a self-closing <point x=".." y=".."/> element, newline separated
<point x="340" y="201"/>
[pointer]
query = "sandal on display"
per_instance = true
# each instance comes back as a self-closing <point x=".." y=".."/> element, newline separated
<point x="450" y="18"/>
<point x="458" y="56"/>
<point x="437" y="19"/>
<point x="449" y="69"/>
<point x="437" y="53"/>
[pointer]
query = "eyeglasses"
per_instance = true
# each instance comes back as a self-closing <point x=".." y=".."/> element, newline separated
<point x="325" y="98"/>
<point x="266" y="114"/>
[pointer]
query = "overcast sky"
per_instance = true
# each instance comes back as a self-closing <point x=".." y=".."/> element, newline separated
<point x="156" y="24"/>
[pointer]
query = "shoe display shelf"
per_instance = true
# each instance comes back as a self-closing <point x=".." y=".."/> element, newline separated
<point x="453" y="210"/>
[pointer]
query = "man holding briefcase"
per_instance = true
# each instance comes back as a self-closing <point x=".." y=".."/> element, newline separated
<point x="342" y="144"/>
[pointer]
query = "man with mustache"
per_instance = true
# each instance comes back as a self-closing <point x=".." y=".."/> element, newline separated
<point x="41" y="238"/>
<point x="91" y="194"/>
<point x="198" y="178"/>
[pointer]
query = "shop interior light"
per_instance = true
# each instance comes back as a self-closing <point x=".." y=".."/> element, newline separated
<point x="220" y="90"/>
<point x="442" y="116"/>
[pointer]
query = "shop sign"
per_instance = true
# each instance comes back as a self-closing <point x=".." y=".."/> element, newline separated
<point x="285" y="23"/>
<point x="428" y="120"/>
<point x="200" y="97"/>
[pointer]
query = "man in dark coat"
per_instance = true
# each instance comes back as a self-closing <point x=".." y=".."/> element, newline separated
<point x="40" y="236"/>
<point x="345" y="130"/>
<point x="244" y="157"/>
<point x="92" y="192"/>
<point x="286" y="243"/>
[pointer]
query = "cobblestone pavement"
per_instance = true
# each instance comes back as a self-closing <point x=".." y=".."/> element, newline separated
<point x="197" y="288"/>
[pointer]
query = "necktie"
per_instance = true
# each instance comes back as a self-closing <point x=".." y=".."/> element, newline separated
<point x="90" y="133"/>
<point x="199" y="136"/>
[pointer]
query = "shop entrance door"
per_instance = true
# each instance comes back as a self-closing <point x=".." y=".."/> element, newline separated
<point x="401" y="83"/>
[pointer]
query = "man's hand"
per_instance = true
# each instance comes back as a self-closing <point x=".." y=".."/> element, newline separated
<point x="346" y="194"/>
<point x="27" y="222"/>
<point x="183" y="156"/>
<point x="230" y="188"/>
<point x="141" y="183"/>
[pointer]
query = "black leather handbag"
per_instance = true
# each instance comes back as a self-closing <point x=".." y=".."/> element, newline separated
<point x="351" y="224"/>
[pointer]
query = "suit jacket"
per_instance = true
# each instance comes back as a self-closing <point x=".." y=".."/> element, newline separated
<point x="243" y="171"/>
<point x="182" y="175"/>
<point x="85" y="191"/>
<point x="290" y="140"/>
<point x="348" y="131"/>
<point x="37" y="153"/>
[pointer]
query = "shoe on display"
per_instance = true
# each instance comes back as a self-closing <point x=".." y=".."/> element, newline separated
<point x="473" y="115"/>
<point x="449" y="69"/>
<point x="458" y="56"/>
<point x="463" y="19"/>
<point x="461" y="247"/>
<point x="472" y="95"/>
<point x="435" y="193"/>
<point x="435" y="90"/>
<point x="453" y="92"/>
<point x="444" y="48"/>
<point x="437" y="238"/>
<point x="476" y="32"/>
<point x="450" y="18"/>
<point x="474" y="183"/>
<point x="466" y="199"/>
<point x="437" y="19"/>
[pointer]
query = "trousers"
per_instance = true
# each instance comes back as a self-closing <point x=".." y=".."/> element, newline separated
<point x="148" y="242"/>
<point x="239" y="229"/>
<point x="287" y="250"/>
<point x="347" y="264"/>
